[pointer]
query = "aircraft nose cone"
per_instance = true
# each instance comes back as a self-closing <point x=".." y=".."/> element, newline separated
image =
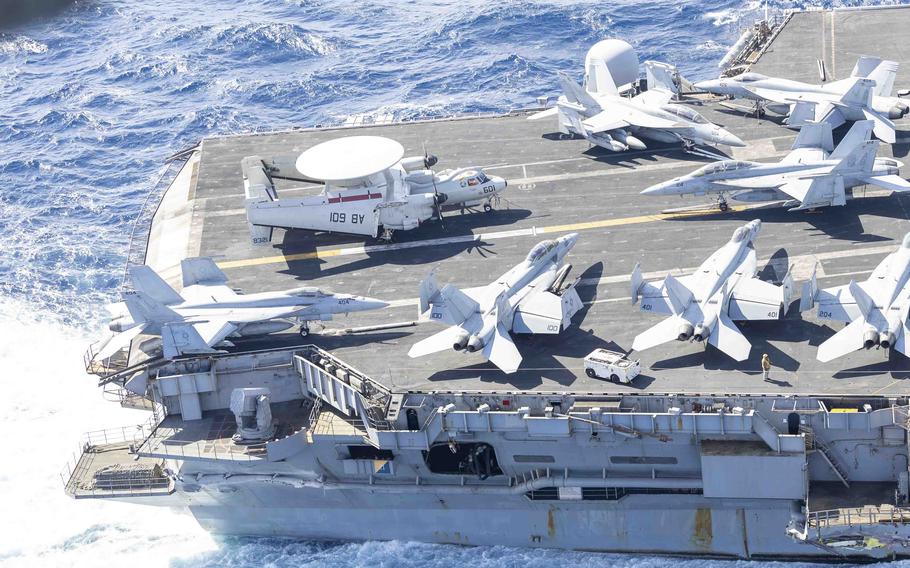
<point x="570" y="240"/>
<point x="706" y="85"/>
<point x="658" y="189"/>
<point x="730" y="139"/>
<point x="371" y="303"/>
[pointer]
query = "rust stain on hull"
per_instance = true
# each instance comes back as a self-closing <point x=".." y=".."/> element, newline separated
<point x="703" y="535"/>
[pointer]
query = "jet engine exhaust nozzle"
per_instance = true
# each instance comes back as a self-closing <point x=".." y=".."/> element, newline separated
<point x="474" y="344"/>
<point x="685" y="332"/>
<point x="701" y="333"/>
<point x="886" y="339"/>
<point x="461" y="342"/>
<point x="870" y="339"/>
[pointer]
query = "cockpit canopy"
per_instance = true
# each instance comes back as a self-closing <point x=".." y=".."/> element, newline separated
<point x="685" y="113"/>
<point x="540" y="250"/>
<point x="471" y="178"/>
<point x="307" y="292"/>
<point x="722" y="166"/>
<point x="750" y="77"/>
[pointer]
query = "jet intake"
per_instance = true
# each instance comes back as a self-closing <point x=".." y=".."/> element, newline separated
<point x="461" y="342"/>
<point x="475" y="344"/>
<point x="685" y="332"/>
<point x="870" y="339"/>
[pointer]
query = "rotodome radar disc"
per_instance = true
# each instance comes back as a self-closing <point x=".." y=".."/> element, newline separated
<point x="349" y="158"/>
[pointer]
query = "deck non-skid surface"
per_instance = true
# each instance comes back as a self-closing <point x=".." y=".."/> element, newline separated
<point x="557" y="186"/>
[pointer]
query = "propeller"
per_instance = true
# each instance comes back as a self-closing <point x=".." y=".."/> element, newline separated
<point x="438" y="199"/>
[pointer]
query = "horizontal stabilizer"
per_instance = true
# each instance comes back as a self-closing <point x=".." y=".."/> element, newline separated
<point x="544" y="113"/>
<point x="442" y="340"/>
<point x="501" y="351"/>
<point x="667" y="330"/>
<point x="729" y="339"/>
<point x="201" y="270"/>
<point x="892" y="182"/>
<point x="902" y="344"/>
<point x="147" y="281"/>
<point x="843" y="342"/>
<point x="181" y="338"/>
<point x="117" y="342"/>
<point x="884" y="129"/>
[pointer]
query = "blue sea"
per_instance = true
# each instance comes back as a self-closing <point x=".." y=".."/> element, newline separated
<point x="92" y="100"/>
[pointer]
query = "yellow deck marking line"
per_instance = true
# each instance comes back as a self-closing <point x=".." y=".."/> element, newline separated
<point x="571" y="227"/>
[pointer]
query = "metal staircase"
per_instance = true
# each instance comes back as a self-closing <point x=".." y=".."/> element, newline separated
<point x="813" y="443"/>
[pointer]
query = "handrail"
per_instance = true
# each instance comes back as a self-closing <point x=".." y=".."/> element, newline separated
<point x="858" y="516"/>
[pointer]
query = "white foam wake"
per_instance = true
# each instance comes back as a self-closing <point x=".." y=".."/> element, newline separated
<point x="46" y="402"/>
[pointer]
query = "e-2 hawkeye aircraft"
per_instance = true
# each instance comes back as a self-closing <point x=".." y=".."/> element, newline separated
<point x="704" y="305"/>
<point x="368" y="189"/>
<point x="808" y="177"/>
<point x="529" y="298"/>
<point x="865" y="95"/>
<point x="876" y="310"/>
<point x="206" y="312"/>
<point x="609" y="119"/>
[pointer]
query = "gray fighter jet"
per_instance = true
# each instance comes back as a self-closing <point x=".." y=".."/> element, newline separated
<point x="807" y="178"/>
<point x="616" y="123"/>
<point x="529" y="298"/>
<point x="875" y="310"/>
<point x="704" y="305"/>
<point x="866" y="95"/>
<point x="207" y="312"/>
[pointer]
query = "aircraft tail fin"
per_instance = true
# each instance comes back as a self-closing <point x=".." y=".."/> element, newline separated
<point x="864" y="302"/>
<point x="145" y="309"/>
<point x="662" y="76"/>
<point x="678" y="295"/>
<point x="810" y="291"/>
<point x="814" y="135"/>
<point x="447" y="305"/>
<point x="575" y="93"/>
<point x="148" y="281"/>
<point x="258" y="188"/>
<point x="201" y="270"/>
<point x="860" y="132"/>
<point x="859" y="94"/>
<point x="637" y="281"/>
<point x="861" y="158"/>
<point x="843" y="342"/>
<point x="802" y="114"/>
<point x="881" y="71"/>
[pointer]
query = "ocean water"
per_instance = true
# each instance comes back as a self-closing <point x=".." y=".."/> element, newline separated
<point x="93" y="98"/>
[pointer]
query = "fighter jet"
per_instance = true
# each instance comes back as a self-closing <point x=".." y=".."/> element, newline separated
<point x="875" y="310"/>
<point x="368" y="188"/>
<point x="865" y="95"/>
<point x="704" y="305"/>
<point x="807" y="178"/>
<point x="529" y="298"/>
<point x="207" y="312"/>
<point x="616" y="123"/>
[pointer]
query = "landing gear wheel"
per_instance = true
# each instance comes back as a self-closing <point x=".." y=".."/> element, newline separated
<point x="304" y="330"/>
<point x="723" y="206"/>
<point x="487" y="208"/>
<point x="614" y="378"/>
<point x="591" y="373"/>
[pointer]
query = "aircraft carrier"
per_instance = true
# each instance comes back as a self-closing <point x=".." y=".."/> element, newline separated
<point x="698" y="455"/>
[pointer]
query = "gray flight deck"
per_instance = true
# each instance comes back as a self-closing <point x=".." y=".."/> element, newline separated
<point x="557" y="186"/>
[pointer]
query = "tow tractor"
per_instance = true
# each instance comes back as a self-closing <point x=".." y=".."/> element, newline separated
<point x="605" y="364"/>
